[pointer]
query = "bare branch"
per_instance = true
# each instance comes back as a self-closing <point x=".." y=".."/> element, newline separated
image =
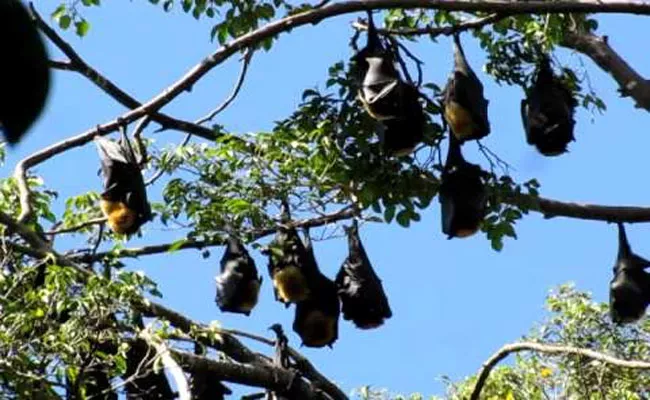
<point x="553" y="208"/>
<point x="79" y="65"/>
<point x="598" y="49"/>
<point x="74" y="228"/>
<point x="240" y="81"/>
<point x="553" y="349"/>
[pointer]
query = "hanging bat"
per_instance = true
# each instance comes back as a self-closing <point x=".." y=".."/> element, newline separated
<point x="238" y="284"/>
<point x="204" y="386"/>
<point x="465" y="107"/>
<point x="547" y="112"/>
<point x="316" y="320"/>
<point x="462" y="197"/>
<point x="400" y="135"/>
<point x="362" y="295"/>
<point x="142" y="381"/>
<point x="24" y="71"/>
<point x="124" y="200"/>
<point x="380" y="89"/>
<point x="629" y="290"/>
<point x="287" y="265"/>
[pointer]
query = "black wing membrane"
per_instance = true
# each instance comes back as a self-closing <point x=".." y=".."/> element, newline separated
<point x="316" y="320"/>
<point x="288" y="263"/>
<point x="462" y="197"/>
<point x="362" y="294"/>
<point x="465" y="107"/>
<point x="629" y="290"/>
<point x="386" y="97"/>
<point x="547" y="113"/>
<point x="124" y="200"/>
<point x="238" y="283"/>
<point x="24" y="71"/>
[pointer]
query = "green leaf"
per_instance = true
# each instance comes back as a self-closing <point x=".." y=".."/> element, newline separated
<point x="64" y="21"/>
<point x="82" y="27"/>
<point x="177" y="245"/>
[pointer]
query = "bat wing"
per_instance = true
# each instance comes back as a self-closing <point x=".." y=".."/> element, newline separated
<point x="468" y="93"/>
<point x="227" y="286"/>
<point x="24" y="71"/>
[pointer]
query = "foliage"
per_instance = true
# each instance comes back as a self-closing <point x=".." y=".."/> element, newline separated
<point x="576" y="320"/>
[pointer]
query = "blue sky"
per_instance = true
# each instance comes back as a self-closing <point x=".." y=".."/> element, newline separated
<point x="454" y="301"/>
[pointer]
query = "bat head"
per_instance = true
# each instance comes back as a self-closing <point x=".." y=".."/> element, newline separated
<point x="24" y="71"/>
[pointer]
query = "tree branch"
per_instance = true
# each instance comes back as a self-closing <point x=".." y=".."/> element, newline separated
<point x="598" y="49"/>
<point x="553" y="349"/>
<point x="170" y="364"/>
<point x="553" y="208"/>
<point x="313" y="16"/>
<point x="434" y="31"/>
<point x="342" y="214"/>
<point x="79" y="65"/>
<point x="264" y="376"/>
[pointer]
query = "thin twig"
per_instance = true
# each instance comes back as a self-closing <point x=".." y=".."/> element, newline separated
<point x="246" y="59"/>
<point x="553" y="349"/>
<point x="182" y="387"/>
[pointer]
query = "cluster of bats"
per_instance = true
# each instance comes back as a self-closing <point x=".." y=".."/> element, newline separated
<point x="356" y="290"/>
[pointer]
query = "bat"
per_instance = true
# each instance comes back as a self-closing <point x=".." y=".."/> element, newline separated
<point x="204" y="386"/>
<point x="124" y="200"/>
<point x="238" y="284"/>
<point x="24" y="71"/>
<point x="547" y="112"/>
<point x="287" y="265"/>
<point x="316" y="319"/>
<point x="400" y="135"/>
<point x="380" y="84"/>
<point x="465" y="107"/>
<point x="143" y="382"/>
<point x="629" y="290"/>
<point x="463" y="198"/>
<point x="362" y="295"/>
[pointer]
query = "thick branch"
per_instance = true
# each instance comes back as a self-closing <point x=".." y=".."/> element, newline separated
<point x="264" y="376"/>
<point x="553" y="208"/>
<point x="553" y="349"/>
<point x="596" y="47"/>
<point x="433" y="31"/>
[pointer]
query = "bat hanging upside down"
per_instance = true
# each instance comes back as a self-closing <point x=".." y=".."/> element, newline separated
<point x="124" y="200"/>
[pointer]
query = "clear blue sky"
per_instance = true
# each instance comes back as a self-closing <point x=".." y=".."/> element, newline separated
<point x="454" y="301"/>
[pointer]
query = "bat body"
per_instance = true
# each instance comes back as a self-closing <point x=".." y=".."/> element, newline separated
<point x="24" y="71"/>
<point x="143" y="382"/>
<point x="465" y="107"/>
<point x="316" y="320"/>
<point x="387" y="98"/>
<point x="547" y="113"/>
<point x="362" y="294"/>
<point x="462" y="197"/>
<point x="400" y="135"/>
<point x="238" y="284"/>
<point x="288" y="266"/>
<point x="629" y="290"/>
<point x="124" y="200"/>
